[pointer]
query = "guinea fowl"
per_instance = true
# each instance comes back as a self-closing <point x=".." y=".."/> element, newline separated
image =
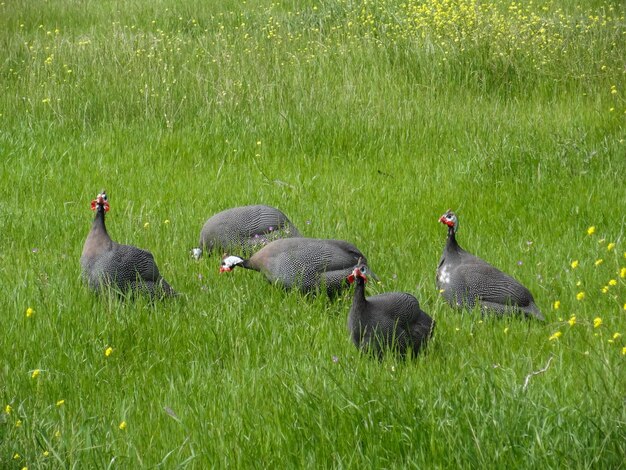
<point x="244" y="229"/>
<point x="308" y="264"/>
<point x="125" y="268"/>
<point x="466" y="281"/>
<point x="393" y="320"/>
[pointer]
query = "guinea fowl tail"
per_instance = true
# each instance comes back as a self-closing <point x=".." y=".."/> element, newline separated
<point x="533" y="311"/>
<point x="168" y="290"/>
<point x="156" y="290"/>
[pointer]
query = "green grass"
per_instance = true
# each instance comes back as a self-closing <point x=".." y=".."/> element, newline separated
<point x="362" y="121"/>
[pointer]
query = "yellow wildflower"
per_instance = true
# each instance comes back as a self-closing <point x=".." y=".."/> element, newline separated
<point x="8" y="409"/>
<point x="617" y="335"/>
<point x="506" y="330"/>
<point x="598" y="262"/>
<point x="610" y="246"/>
<point x="597" y="322"/>
<point x="167" y="221"/>
<point x="60" y="402"/>
<point x="123" y="426"/>
<point x="605" y="289"/>
<point x="29" y="312"/>
<point x="622" y="273"/>
<point x="555" y="336"/>
<point x="580" y="296"/>
<point x="624" y="350"/>
<point x="18" y="423"/>
<point x="46" y="453"/>
<point x="16" y="456"/>
<point x="556" y="305"/>
<point x="591" y="230"/>
<point x="574" y="264"/>
<point x="572" y="320"/>
<point x="146" y="225"/>
<point x="35" y="374"/>
<point x="57" y="434"/>
<point x="612" y="282"/>
<point x="108" y="351"/>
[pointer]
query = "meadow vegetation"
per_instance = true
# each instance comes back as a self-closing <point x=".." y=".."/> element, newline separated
<point x="361" y="120"/>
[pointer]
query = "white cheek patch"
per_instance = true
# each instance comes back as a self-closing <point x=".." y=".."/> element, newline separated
<point x="231" y="261"/>
<point x="444" y="276"/>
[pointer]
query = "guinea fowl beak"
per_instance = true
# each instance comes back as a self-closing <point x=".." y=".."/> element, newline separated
<point x="356" y="273"/>
<point x="446" y="221"/>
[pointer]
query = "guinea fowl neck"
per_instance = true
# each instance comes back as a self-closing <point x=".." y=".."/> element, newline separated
<point x="98" y="222"/>
<point x="359" y="292"/>
<point x="451" y="244"/>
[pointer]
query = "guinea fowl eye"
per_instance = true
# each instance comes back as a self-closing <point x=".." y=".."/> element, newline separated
<point x="363" y="270"/>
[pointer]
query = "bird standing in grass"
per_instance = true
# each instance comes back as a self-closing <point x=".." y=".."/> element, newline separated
<point x="124" y="268"/>
<point x="389" y="321"/>
<point x="466" y="280"/>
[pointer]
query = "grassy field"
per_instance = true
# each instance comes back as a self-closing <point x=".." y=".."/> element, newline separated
<point x="362" y="121"/>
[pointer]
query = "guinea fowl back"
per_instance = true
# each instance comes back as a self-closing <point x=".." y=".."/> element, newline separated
<point x="245" y="228"/>
<point x="305" y="263"/>
<point x="300" y="262"/>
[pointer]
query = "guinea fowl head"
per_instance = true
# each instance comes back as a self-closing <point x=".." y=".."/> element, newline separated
<point x="100" y="203"/>
<point x="360" y="271"/>
<point x="449" y="219"/>
<point x="229" y="262"/>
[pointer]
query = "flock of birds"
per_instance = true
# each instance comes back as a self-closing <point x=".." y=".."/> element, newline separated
<point x="392" y="320"/>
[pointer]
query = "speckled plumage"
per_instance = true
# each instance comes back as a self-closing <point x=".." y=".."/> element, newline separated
<point x="393" y="320"/>
<point x="307" y="264"/>
<point x="245" y="229"/>
<point x="466" y="281"/>
<point x="106" y="263"/>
